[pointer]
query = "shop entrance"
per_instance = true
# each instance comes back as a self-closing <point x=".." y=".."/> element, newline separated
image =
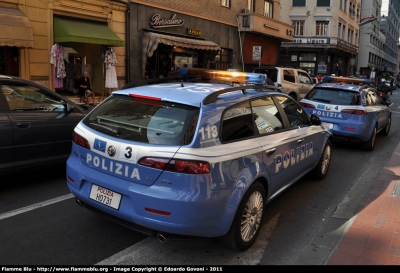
<point x="167" y="59"/>
<point x="9" y="64"/>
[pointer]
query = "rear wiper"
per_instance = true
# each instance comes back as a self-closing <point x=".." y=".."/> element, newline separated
<point x="115" y="131"/>
<point x="328" y="101"/>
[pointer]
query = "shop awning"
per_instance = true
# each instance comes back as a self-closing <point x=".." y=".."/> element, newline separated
<point x="79" y="31"/>
<point x="16" y="30"/>
<point x="151" y="40"/>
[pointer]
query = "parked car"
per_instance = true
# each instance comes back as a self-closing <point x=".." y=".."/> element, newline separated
<point x="352" y="108"/>
<point x="36" y="125"/>
<point x="195" y="159"/>
<point x="294" y="82"/>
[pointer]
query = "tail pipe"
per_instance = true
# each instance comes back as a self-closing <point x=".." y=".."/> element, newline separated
<point x="78" y="202"/>
<point x="162" y="237"/>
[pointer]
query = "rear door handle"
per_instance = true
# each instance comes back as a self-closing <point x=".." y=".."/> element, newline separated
<point x="270" y="151"/>
<point x="23" y="124"/>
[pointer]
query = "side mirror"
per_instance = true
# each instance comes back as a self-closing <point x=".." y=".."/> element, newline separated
<point x="315" y="120"/>
<point x="70" y="107"/>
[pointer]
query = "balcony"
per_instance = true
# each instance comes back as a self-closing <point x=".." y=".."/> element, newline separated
<point x="259" y="24"/>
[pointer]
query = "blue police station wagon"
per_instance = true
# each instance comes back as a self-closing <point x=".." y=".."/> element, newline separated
<point x="351" y="107"/>
<point x="195" y="158"/>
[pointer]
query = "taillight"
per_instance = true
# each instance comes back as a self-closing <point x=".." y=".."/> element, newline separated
<point x="179" y="166"/>
<point x="306" y="105"/>
<point x="355" y="112"/>
<point x="79" y="140"/>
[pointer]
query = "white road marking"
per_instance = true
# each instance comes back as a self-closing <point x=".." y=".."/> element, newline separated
<point x="395" y="112"/>
<point x="201" y="251"/>
<point x="35" y="206"/>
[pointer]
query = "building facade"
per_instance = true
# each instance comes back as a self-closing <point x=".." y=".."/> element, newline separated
<point x="326" y="36"/>
<point x="80" y="30"/>
<point x="390" y="26"/>
<point x="214" y="34"/>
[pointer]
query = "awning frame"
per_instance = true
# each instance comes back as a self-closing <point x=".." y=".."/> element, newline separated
<point x="151" y="40"/>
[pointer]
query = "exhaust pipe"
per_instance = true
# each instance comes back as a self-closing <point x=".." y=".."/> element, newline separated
<point x="162" y="237"/>
<point x="78" y="202"/>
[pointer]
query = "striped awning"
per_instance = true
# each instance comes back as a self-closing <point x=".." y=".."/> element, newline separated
<point x="151" y="40"/>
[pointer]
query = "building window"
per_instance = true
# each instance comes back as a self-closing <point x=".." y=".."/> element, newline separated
<point x="339" y="29"/>
<point x="343" y="32"/>
<point x="324" y="3"/>
<point x="321" y="28"/>
<point x="226" y="3"/>
<point x="268" y="8"/>
<point x="298" y="28"/>
<point x="250" y="5"/>
<point x="298" y="3"/>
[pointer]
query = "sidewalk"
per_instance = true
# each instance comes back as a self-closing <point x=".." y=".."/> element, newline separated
<point x="374" y="236"/>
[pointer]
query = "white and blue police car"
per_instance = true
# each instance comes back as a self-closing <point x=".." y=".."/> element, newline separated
<point x="351" y="107"/>
<point x="196" y="158"/>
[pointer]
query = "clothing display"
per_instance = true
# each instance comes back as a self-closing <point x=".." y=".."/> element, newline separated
<point x="57" y="65"/>
<point x="110" y="61"/>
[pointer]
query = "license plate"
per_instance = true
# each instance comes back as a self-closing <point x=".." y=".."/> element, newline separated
<point x="105" y="196"/>
<point x="330" y="125"/>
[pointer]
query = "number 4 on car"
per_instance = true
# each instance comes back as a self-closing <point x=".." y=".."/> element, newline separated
<point x="194" y="157"/>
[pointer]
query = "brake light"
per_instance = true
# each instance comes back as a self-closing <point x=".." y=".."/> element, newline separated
<point x="355" y="112"/>
<point x="179" y="166"/>
<point x="81" y="141"/>
<point x="144" y="97"/>
<point x="306" y="105"/>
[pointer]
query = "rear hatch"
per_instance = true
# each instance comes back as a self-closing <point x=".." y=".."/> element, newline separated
<point x="126" y="133"/>
<point x="333" y="104"/>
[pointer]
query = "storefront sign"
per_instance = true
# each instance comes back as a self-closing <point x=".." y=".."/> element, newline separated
<point x="158" y="22"/>
<point x="195" y="32"/>
<point x="311" y="41"/>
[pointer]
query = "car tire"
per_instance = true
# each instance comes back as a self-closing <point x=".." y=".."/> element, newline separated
<point x="247" y="222"/>
<point x="370" y="144"/>
<point x="385" y="132"/>
<point x="320" y="171"/>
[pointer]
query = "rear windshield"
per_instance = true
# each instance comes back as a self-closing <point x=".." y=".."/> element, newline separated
<point x="144" y="120"/>
<point x="271" y="72"/>
<point x="334" y="96"/>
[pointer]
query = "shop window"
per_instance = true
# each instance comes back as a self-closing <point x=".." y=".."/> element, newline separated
<point x="268" y="9"/>
<point x="222" y="60"/>
<point x="299" y="3"/>
<point x="298" y="28"/>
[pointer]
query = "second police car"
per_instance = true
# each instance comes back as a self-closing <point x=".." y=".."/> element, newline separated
<point x="195" y="158"/>
<point x="352" y="108"/>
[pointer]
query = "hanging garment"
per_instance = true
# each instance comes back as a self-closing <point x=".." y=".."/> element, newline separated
<point x="110" y="60"/>
<point x="111" y="78"/>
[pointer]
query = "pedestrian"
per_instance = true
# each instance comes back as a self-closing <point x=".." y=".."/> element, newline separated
<point x="85" y="88"/>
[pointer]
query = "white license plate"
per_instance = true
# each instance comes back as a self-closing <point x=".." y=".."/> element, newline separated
<point x="330" y="125"/>
<point x="105" y="196"/>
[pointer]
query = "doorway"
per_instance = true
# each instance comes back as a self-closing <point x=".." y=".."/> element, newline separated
<point x="9" y="64"/>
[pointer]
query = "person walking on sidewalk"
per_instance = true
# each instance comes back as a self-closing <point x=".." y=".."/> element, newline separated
<point x="85" y="88"/>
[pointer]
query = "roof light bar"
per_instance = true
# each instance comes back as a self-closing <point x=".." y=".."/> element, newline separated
<point x="222" y="75"/>
<point x="345" y="80"/>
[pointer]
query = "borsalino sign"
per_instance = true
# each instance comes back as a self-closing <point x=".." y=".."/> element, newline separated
<point x="158" y="22"/>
